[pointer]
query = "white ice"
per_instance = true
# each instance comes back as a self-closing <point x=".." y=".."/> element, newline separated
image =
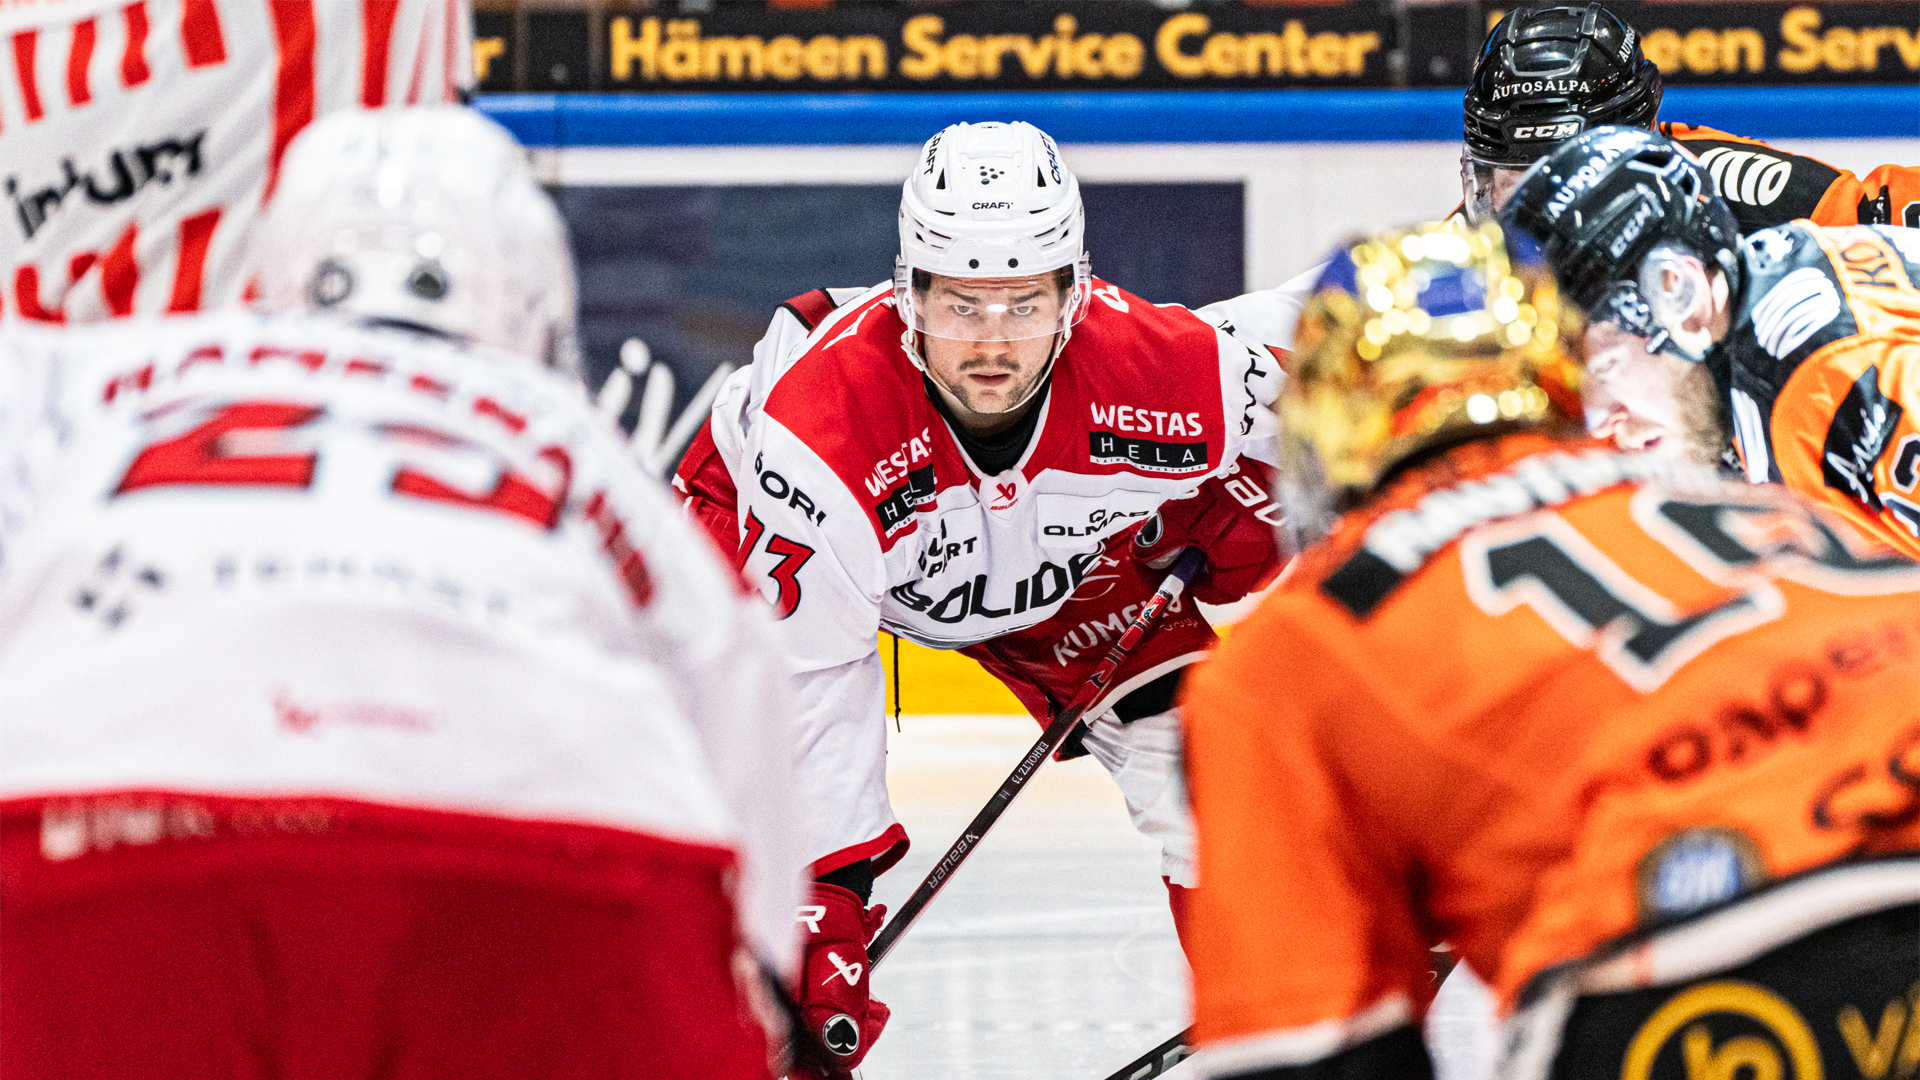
<point x="1052" y="952"/>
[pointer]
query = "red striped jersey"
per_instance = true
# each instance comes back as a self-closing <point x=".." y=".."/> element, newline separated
<point x="267" y="557"/>
<point x="141" y="137"/>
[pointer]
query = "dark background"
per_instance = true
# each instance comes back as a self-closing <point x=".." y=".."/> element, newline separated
<point x="696" y="272"/>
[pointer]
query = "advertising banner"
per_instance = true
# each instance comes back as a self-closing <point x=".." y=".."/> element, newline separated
<point x="729" y="46"/>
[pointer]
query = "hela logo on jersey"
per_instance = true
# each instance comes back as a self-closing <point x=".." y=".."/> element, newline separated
<point x="1744" y="176"/>
<point x="1107" y="448"/>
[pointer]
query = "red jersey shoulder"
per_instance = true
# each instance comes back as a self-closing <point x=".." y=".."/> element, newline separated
<point x="856" y="401"/>
<point x="1143" y="386"/>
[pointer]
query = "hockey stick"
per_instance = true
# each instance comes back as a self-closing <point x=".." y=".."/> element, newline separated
<point x="1158" y="1060"/>
<point x="1184" y="568"/>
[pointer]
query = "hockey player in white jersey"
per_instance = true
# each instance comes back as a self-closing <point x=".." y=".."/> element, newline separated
<point x="996" y="452"/>
<point x="368" y="712"/>
<point x="147" y="137"/>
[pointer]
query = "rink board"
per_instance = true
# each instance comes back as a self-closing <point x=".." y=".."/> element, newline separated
<point x="693" y="216"/>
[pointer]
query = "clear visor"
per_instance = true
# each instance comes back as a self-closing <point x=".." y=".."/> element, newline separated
<point x="1486" y="187"/>
<point x="1671" y="288"/>
<point x="997" y="309"/>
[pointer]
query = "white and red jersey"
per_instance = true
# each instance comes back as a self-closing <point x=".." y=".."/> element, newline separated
<point x="859" y="511"/>
<point x="261" y="557"/>
<point x="140" y="138"/>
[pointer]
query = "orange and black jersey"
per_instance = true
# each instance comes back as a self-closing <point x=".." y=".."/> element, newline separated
<point x="1821" y="366"/>
<point x="1520" y="703"/>
<point x="1765" y="186"/>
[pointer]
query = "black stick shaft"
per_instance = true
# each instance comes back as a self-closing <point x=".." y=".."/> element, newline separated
<point x="1158" y="1060"/>
<point x="1184" y="569"/>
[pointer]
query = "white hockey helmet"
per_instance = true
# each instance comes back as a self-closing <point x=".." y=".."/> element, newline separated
<point x="424" y="216"/>
<point x="992" y="201"/>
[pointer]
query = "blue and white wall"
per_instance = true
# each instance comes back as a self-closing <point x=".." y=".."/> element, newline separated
<point x="746" y="199"/>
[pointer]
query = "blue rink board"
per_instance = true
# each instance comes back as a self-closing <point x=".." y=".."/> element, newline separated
<point x="1192" y="116"/>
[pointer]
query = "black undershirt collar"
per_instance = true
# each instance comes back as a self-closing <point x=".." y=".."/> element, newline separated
<point x="992" y="454"/>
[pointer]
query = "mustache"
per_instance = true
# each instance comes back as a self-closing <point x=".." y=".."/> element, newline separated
<point x="990" y="364"/>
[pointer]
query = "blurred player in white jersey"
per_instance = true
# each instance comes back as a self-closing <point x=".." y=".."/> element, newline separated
<point x="141" y="139"/>
<point x="368" y="712"/>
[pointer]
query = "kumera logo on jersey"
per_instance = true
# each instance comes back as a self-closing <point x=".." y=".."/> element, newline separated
<point x="1746" y="176"/>
<point x="1795" y="309"/>
<point x="1861" y="428"/>
<point x="1541" y="86"/>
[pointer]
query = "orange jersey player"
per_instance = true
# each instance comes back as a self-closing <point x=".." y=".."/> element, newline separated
<point x="1547" y="74"/>
<point x="1810" y="336"/>
<point x="1641" y="744"/>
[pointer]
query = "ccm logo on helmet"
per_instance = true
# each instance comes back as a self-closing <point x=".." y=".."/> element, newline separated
<point x="1548" y="131"/>
<point x="993" y="206"/>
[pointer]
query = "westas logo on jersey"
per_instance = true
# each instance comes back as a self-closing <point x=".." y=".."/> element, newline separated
<point x="1133" y="418"/>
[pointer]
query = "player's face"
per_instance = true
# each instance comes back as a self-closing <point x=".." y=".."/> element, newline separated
<point x="1648" y="401"/>
<point x="987" y="341"/>
<point x="1486" y="188"/>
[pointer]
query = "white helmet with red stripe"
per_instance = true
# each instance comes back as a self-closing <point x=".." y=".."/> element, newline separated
<point x="426" y="217"/>
<point x="992" y="201"/>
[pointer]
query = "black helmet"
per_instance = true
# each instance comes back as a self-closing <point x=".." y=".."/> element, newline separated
<point x="1599" y="203"/>
<point x="1548" y="74"/>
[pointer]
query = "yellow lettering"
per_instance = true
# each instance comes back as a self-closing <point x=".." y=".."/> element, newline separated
<point x="922" y="37"/>
<point x="1222" y="55"/>
<point x="1035" y="56"/>
<point x="733" y="58"/>
<point x="962" y="56"/>
<point x="992" y="48"/>
<point x="1909" y="46"/>
<point x="1663" y="48"/>
<point x="1909" y="1062"/>
<point x="1064" y="27"/>
<point x="1261" y="54"/>
<point x="680" y="56"/>
<point x="1841" y="49"/>
<point x="865" y="54"/>
<point x="1747" y="1052"/>
<point x="1327" y="55"/>
<point x="1359" y="45"/>
<point x="1123" y="56"/>
<point x="1701" y="50"/>
<point x="823" y="57"/>
<point x="1294" y="36"/>
<point x="626" y="48"/>
<point x="484" y="51"/>
<point x="1166" y="45"/>
<point x="1873" y="1052"/>
<point x="783" y="57"/>
<point x="1085" y="57"/>
<point x="1796" y="29"/>
<point x="1743" y="47"/>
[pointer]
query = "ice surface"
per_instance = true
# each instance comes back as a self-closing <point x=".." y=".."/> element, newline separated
<point x="1052" y="952"/>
